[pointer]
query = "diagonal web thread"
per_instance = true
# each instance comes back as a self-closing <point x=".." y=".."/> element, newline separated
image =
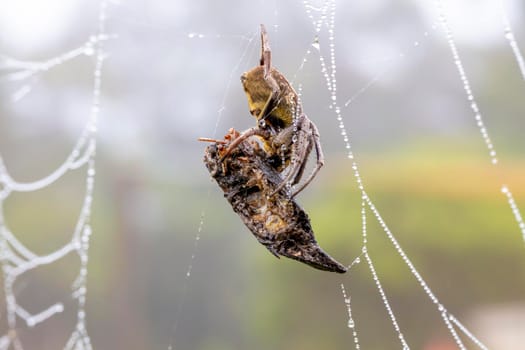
<point x="465" y="81"/>
<point x="474" y="105"/>
<point x="246" y="42"/>
<point x="15" y="71"/>
<point x="509" y="35"/>
<point x="324" y="16"/>
<point x="16" y="259"/>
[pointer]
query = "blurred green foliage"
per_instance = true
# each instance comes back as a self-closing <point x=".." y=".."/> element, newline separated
<point x="447" y="212"/>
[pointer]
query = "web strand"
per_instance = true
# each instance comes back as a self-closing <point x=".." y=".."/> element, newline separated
<point x="509" y="35"/>
<point x="220" y="111"/>
<point x="351" y="322"/>
<point x="515" y="210"/>
<point x="473" y="104"/>
<point x="16" y="258"/>
<point x="28" y="71"/>
<point x="465" y="81"/>
<point x="327" y="18"/>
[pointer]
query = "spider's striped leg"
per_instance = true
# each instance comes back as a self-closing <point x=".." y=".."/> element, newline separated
<point x="314" y="137"/>
<point x="300" y="151"/>
<point x="245" y="135"/>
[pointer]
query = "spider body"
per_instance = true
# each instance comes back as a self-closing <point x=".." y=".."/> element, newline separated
<point x="253" y="172"/>
<point x="285" y="102"/>
<point x="280" y="112"/>
<point x="287" y="133"/>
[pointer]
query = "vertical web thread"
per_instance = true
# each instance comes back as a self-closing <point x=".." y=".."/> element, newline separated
<point x="351" y="322"/>
<point x="327" y="18"/>
<point x="15" y="258"/>
<point x="473" y="104"/>
<point x="187" y="277"/>
<point x="79" y="338"/>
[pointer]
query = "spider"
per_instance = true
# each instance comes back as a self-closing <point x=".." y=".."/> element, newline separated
<point x="288" y="136"/>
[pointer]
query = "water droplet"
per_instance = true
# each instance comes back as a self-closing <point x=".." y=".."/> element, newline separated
<point x="316" y="45"/>
<point x="89" y="50"/>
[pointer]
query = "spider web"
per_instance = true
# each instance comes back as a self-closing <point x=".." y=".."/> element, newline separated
<point x="17" y="259"/>
<point x="323" y="17"/>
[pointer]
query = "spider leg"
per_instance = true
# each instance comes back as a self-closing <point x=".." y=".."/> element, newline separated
<point x="246" y="134"/>
<point x="303" y="160"/>
<point x="266" y="52"/>
<point x="320" y="158"/>
<point x="300" y="151"/>
<point x="266" y="62"/>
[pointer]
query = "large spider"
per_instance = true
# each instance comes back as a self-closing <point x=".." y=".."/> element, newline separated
<point x="288" y="135"/>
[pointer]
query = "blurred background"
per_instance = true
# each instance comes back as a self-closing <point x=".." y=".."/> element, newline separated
<point x="172" y="75"/>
